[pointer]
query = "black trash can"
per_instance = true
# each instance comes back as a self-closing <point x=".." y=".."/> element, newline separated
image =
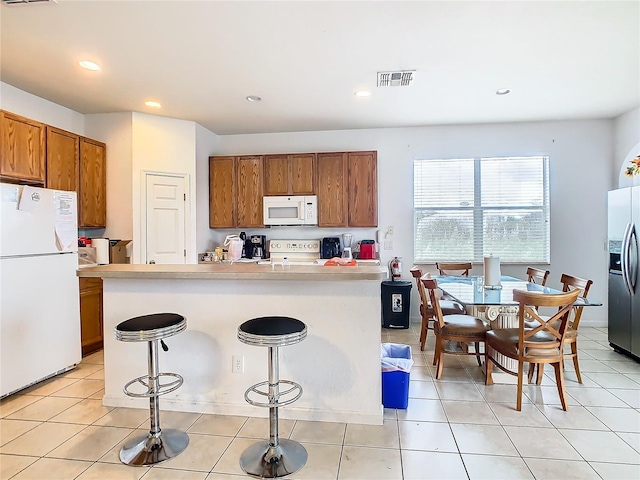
<point x="396" y="304"/>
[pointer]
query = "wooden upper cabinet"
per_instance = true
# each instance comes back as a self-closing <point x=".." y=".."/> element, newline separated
<point x="222" y="192"/>
<point x="277" y="175"/>
<point x="249" y="180"/>
<point x="303" y="168"/>
<point x="92" y="195"/>
<point x="289" y="174"/>
<point x="332" y="189"/>
<point x="63" y="149"/>
<point x="22" y="149"/>
<point x="363" y="189"/>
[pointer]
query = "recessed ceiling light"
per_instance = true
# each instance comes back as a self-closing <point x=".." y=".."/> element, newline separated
<point x="94" y="67"/>
<point x="152" y="104"/>
<point x="503" y="91"/>
<point x="253" y="98"/>
<point x="363" y="93"/>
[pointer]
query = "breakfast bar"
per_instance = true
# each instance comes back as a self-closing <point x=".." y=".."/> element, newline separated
<point x="338" y="364"/>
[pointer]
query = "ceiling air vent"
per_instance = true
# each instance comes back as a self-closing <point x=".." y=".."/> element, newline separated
<point x="18" y="2"/>
<point x="396" y="79"/>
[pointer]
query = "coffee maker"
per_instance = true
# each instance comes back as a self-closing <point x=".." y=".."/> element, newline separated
<point x="258" y="246"/>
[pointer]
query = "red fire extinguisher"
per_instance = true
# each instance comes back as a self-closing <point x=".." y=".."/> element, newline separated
<point x="395" y="266"/>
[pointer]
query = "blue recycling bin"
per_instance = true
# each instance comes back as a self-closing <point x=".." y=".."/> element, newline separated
<point x="396" y="363"/>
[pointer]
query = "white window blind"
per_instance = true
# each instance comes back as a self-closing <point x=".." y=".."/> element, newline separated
<point x="467" y="208"/>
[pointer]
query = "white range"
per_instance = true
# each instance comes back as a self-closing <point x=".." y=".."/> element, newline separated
<point x="298" y="252"/>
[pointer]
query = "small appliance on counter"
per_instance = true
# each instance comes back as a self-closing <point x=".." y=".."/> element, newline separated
<point x="367" y="250"/>
<point x="258" y="246"/>
<point x="331" y="247"/>
<point x="347" y="238"/>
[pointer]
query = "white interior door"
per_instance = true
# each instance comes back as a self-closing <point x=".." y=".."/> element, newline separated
<point x="165" y="226"/>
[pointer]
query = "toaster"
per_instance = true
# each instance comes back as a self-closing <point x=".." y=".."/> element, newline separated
<point x="367" y="250"/>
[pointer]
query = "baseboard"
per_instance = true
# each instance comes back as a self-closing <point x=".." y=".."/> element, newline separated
<point x="289" y="412"/>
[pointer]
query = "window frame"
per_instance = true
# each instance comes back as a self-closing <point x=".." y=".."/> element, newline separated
<point x="478" y="210"/>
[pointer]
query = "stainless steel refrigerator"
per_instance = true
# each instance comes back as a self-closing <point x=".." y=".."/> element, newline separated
<point x="624" y="270"/>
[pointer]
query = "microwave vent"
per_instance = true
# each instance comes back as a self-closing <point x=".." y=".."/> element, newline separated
<point x="402" y="78"/>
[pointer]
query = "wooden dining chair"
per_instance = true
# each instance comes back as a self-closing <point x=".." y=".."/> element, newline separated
<point x="453" y="328"/>
<point x="569" y="283"/>
<point x="536" y="275"/>
<point x="460" y="269"/>
<point x="449" y="307"/>
<point x="540" y="345"/>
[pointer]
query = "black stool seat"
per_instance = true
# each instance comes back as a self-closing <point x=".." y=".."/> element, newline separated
<point x="272" y="331"/>
<point x="150" y="327"/>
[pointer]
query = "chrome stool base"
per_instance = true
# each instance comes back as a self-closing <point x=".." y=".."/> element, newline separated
<point x="152" y="449"/>
<point x="266" y="461"/>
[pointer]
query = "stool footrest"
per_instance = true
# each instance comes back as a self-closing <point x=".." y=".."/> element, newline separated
<point x="295" y="387"/>
<point x="162" y="388"/>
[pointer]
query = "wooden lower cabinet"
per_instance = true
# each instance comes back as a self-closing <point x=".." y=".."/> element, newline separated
<point x="91" y="331"/>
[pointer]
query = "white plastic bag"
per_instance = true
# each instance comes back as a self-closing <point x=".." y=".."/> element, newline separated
<point x="234" y="246"/>
<point x="395" y="357"/>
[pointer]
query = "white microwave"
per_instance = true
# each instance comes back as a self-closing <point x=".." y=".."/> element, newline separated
<point x="290" y="210"/>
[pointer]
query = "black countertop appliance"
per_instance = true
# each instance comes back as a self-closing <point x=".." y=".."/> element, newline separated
<point x="258" y="246"/>
<point x="331" y="247"/>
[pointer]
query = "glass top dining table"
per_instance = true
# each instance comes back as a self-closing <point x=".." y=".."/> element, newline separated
<point x="472" y="291"/>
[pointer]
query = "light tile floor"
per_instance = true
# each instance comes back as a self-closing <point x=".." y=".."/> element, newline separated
<point x="453" y="428"/>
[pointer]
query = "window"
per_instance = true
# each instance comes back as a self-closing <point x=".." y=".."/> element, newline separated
<point x="467" y="208"/>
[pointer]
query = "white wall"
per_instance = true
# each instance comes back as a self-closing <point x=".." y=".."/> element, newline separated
<point x="23" y="103"/>
<point x="580" y="164"/>
<point x="115" y="129"/>
<point x="626" y="145"/>
<point x="206" y="143"/>
<point x="163" y="145"/>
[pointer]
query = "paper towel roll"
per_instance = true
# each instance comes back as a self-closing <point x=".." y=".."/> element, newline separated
<point x="102" y="250"/>
<point x="492" y="270"/>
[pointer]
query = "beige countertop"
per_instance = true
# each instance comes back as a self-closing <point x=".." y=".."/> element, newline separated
<point x="236" y="271"/>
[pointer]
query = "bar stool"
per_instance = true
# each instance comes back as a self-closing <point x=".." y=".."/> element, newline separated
<point x="159" y="445"/>
<point x="275" y="457"/>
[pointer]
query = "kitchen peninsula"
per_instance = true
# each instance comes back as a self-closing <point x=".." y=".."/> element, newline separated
<point x="338" y="364"/>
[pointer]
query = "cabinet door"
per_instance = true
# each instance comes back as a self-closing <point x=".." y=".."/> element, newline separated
<point x="277" y="175"/>
<point x="91" y="331"/>
<point x="22" y="149"/>
<point x="222" y="192"/>
<point x="249" y="178"/>
<point x="63" y="150"/>
<point x="92" y="195"/>
<point x="332" y="189"/>
<point x="363" y="189"/>
<point x="303" y="167"/>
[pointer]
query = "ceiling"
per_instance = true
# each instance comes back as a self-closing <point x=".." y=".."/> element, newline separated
<point x="200" y="59"/>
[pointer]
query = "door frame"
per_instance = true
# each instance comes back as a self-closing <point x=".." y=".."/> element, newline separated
<point x="143" y="210"/>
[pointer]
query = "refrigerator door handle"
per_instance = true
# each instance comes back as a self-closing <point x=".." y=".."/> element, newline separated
<point x="624" y="257"/>
<point x="632" y="270"/>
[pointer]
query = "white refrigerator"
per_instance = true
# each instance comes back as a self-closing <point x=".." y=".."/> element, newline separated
<point x="39" y="296"/>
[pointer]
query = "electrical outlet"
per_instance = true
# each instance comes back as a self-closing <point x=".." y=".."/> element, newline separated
<point x="237" y="365"/>
<point x="390" y="230"/>
<point x="388" y="244"/>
